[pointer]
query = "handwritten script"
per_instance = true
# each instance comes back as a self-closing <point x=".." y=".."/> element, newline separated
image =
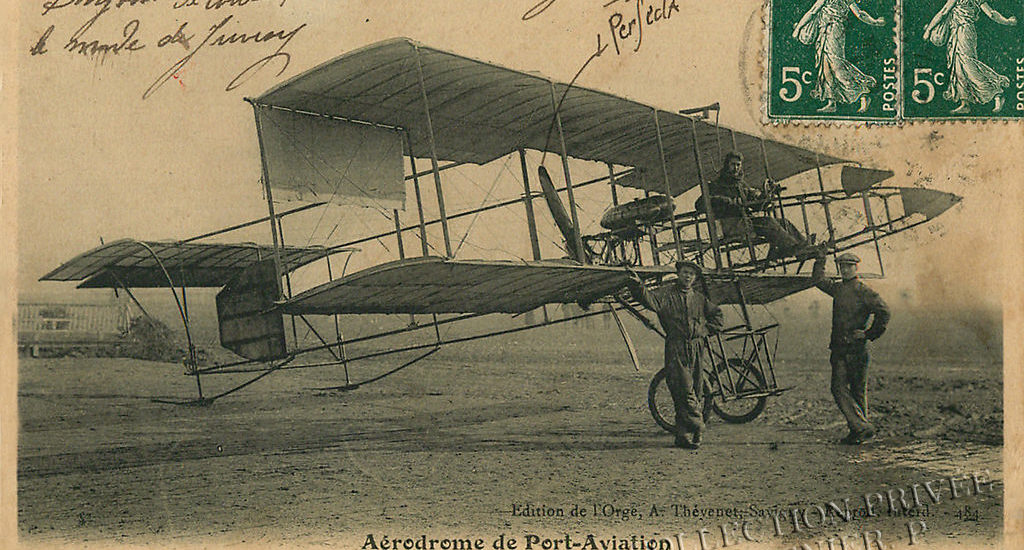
<point x="625" y="24"/>
<point x="103" y="29"/>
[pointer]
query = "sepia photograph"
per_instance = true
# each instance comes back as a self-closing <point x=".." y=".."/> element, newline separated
<point x="517" y="275"/>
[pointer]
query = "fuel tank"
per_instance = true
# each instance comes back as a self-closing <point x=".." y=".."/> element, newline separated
<point x="653" y="209"/>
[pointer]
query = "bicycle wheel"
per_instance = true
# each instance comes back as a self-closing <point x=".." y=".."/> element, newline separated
<point x="663" y="409"/>
<point x="747" y="380"/>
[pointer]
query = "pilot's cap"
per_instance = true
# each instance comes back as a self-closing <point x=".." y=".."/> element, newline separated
<point x="847" y="258"/>
<point x="687" y="263"/>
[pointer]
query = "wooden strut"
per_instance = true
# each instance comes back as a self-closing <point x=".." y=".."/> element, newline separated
<point x="415" y="347"/>
<point x="419" y="199"/>
<point x="270" y="199"/>
<point x="401" y="249"/>
<point x="433" y="156"/>
<point x="874" y="231"/>
<point x="216" y="369"/>
<point x="478" y="210"/>
<point x="288" y="281"/>
<point x="824" y="203"/>
<point x="193" y="360"/>
<point x="768" y="173"/>
<point x="706" y="194"/>
<point x="668" y="187"/>
<point x="615" y="201"/>
<point x="568" y="179"/>
<point x="652" y="237"/>
<point x="531" y="220"/>
<point x="339" y="338"/>
<point x="251" y="222"/>
<point x="192" y="366"/>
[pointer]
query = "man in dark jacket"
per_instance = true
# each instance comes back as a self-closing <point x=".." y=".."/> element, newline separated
<point x="687" y="316"/>
<point x="852" y="304"/>
<point x="740" y="207"/>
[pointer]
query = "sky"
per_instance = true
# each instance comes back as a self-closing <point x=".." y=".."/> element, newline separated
<point x="97" y="160"/>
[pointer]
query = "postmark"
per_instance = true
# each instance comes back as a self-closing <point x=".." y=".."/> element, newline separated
<point x="962" y="59"/>
<point x="832" y="60"/>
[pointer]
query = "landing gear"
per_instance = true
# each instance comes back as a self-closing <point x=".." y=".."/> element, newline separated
<point x="744" y="401"/>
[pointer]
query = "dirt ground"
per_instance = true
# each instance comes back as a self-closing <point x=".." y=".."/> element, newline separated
<point x="469" y="442"/>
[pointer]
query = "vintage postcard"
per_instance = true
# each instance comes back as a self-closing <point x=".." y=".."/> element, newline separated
<point x="512" y="275"/>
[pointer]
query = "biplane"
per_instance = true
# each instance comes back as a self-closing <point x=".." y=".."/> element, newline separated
<point x="351" y="131"/>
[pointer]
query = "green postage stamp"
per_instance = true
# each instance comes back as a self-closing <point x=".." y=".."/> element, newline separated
<point x="832" y="60"/>
<point x="963" y="59"/>
<point x="891" y="60"/>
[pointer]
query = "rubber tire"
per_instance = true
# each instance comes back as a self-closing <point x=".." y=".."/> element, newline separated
<point x="652" y="400"/>
<point x="710" y="404"/>
<point x="759" y="403"/>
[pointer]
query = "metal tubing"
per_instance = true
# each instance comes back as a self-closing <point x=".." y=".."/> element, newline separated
<point x="700" y="243"/>
<point x="768" y="174"/>
<point x="531" y="221"/>
<point x="218" y="368"/>
<point x="193" y="362"/>
<point x="433" y="157"/>
<point x="615" y="198"/>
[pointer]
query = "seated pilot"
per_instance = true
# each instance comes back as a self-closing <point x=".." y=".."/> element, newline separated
<point x="731" y="196"/>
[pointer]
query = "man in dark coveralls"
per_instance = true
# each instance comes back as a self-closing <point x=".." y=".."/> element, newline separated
<point x="686" y="315"/>
<point x="740" y="207"/>
<point x="852" y="303"/>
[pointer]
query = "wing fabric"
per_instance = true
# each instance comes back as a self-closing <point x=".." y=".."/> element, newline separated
<point x="435" y="285"/>
<point x="481" y="112"/>
<point x="141" y="264"/>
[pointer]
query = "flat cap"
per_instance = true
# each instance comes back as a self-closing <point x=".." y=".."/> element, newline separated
<point x="687" y="263"/>
<point x="847" y="258"/>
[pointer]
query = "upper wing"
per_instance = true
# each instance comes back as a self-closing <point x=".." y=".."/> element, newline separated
<point x="435" y="285"/>
<point x="148" y="264"/>
<point x="481" y="112"/>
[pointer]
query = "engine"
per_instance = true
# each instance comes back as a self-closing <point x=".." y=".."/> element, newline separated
<point x="657" y="208"/>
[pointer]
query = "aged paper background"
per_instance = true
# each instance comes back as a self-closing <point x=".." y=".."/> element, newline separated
<point x="86" y="156"/>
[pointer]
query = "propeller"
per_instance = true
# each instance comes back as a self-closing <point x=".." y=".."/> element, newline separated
<point x="561" y="217"/>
